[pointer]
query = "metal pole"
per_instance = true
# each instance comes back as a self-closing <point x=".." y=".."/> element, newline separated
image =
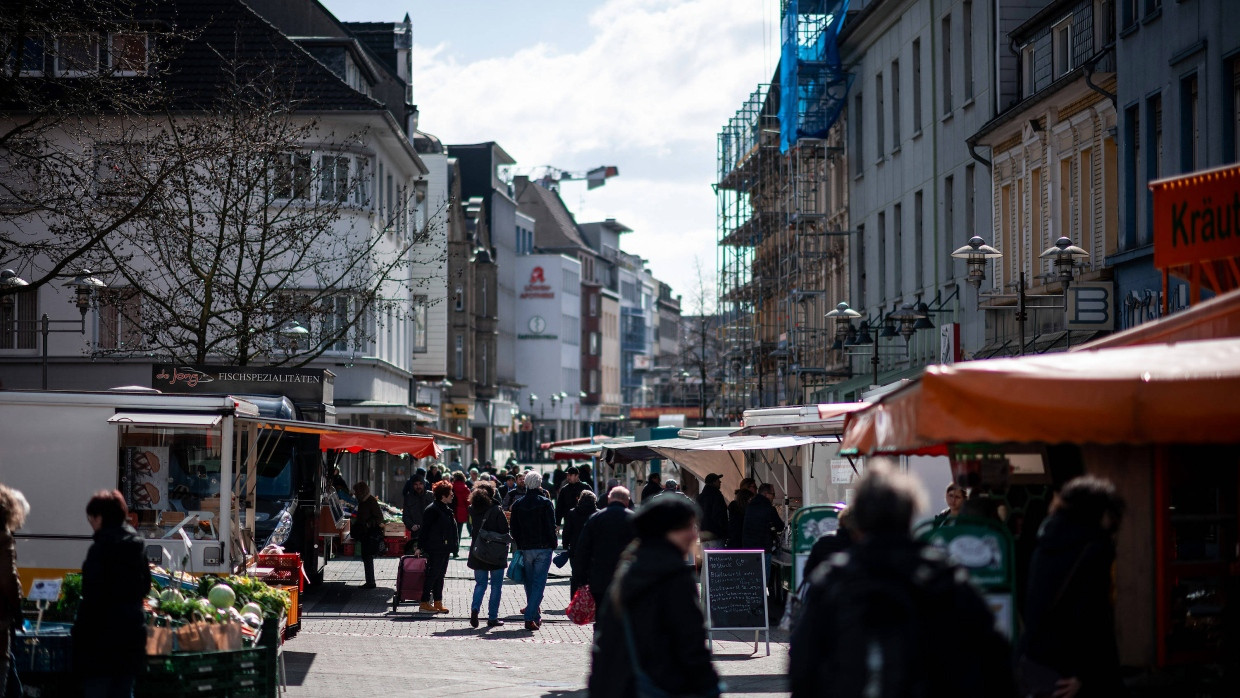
<point x="874" y="359"/>
<point x="46" y="326"/>
<point x="1020" y="311"/>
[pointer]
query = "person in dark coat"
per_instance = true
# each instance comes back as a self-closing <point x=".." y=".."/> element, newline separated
<point x="569" y="493"/>
<point x="736" y="517"/>
<point x="438" y="542"/>
<point x="1069" y="618"/>
<point x="587" y="506"/>
<point x="109" y="634"/>
<point x="485" y="515"/>
<point x="653" y="488"/>
<point x="714" y="508"/>
<point x="826" y="546"/>
<point x="762" y="522"/>
<point x="13" y="511"/>
<point x="603" y="538"/>
<point x="515" y="493"/>
<point x="893" y="616"/>
<point x="533" y="532"/>
<point x="417" y="498"/>
<point x="367" y="529"/>
<point x="461" y="510"/>
<point x="652" y="620"/>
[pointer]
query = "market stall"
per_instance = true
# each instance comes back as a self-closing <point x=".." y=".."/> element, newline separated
<point x="1159" y="420"/>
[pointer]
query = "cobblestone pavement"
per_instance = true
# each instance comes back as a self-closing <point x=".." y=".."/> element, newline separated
<point x="351" y="643"/>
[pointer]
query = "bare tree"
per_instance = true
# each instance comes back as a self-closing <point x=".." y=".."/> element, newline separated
<point x="264" y="226"/>
<point x="701" y="348"/>
<point x="73" y="74"/>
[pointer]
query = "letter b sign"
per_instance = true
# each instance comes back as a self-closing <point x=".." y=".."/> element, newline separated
<point x="1090" y="306"/>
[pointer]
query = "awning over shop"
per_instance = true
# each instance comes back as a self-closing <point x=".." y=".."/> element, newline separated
<point x="445" y="437"/>
<point x="724" y="455"/>
<point x="395" y="444"/>
<point x="1152" y="394"/>
<point x="621" y="453"/>
<point x="166" y="419"/>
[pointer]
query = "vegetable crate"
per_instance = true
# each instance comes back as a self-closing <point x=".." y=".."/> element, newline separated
<point x="237" y="674"/>
<point x="47" y="652"/>
<point x="285" y="569"/>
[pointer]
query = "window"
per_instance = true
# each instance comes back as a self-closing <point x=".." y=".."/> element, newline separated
<point x="120" y="319"/>
<point x="969" y="192"/>
<point x="897" y="234"/>
<point x="18" y="326"/>
<point x="858" y="120"/>
<point x="484" y="301"/>
<point x="916" y="86"/>
<point x="484" y="361"/>
<point x="1037" y="234"/>
<point x="1132" y="146"/>
<point x="459" y="302"/>
<point x="895" y="105"/>
<point x="391" y="205"/>
<point x="1067" y="199"/>
<point x="594" y="300"/>
<point x="1128" y="9"/>
<point x="571" y="282"/>
<point x="336" y="321"/>
<point x="1188" y="124"/>
<point x="419" y="324"/>
<point x="77" y="55"/>
<point x="946" y="41"/>
<point x="596" y="341"/>
<point x="880" y="115"/>
<point x="334" y="178"/>
<point x="127" y="54"/>
<point x="1152" y="6"/>
<point x="1153" y="114"/>
<point x="1061" y="36"/>
<point x="859" y="298"/>
<point x="361" y="181"/>
<point x="292" y="176"/>
<point x="570" y="329"/>
<point x="1028" y="56"/>
<point x="1006" y="232"/>
<point x="594" y="381"/>
<point x="458" y="357"/>
<point x="966" y="26"/>
<point x="29" y="61"/>
<point x="1085" y="204"/>
<point x="382" y="209"/>
<point x="882" y="257"/>
<point x="919" y="228"/>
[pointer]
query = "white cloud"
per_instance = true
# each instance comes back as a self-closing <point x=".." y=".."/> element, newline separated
<point x="648" y="93"/>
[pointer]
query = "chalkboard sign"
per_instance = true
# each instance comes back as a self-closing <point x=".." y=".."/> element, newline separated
<point x="734" y="587"/>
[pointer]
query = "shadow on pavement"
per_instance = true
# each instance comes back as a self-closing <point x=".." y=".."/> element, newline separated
<point x="507" y="633"/>
<point x="297" y="666"/>
<point x="576" y="693"/>
<point x="756" y="683"/>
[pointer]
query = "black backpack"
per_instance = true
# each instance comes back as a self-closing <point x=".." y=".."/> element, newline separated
<point x="890" y="629"/>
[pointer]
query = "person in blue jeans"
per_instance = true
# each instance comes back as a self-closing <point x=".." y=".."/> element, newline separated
<point x="533" y="533"/>
<point x="485" y="514"/>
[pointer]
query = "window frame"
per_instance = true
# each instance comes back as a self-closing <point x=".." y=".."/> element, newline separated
<point x="62" y="72"/>
<point x="146" y="54"/>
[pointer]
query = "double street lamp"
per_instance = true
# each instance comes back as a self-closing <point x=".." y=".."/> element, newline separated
<point x="1063" y="255"/>
<point x="904" y="322"/>
<point x="86" y="289"/>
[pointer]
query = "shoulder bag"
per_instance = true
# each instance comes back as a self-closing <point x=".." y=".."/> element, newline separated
<point x="491" y="548"/>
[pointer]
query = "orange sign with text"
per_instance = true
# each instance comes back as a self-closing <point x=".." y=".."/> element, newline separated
<point x="656" y="412"/>
<point x="1197" y="217"/>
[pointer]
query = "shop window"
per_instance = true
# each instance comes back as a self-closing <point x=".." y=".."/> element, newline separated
<point x="166" y="474"/>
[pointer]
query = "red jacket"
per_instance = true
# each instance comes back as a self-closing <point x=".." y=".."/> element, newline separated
<point x="461" y="490"/>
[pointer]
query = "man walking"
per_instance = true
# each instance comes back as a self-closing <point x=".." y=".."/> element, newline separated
<point x="891" y="617"/>
<point x="654" y="487"/>
<point x="714" y="531"/>
<point x="762" y="523"/>
<point x="597" y="550"/>
<point x="515" y="493"/>
<point x="417" y="499"/>
<point x="569" y="492"/>
<point x="533" y="532"/>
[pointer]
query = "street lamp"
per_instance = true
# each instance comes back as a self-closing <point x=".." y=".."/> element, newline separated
<point x="1063" y="255"/>
<point x="902" y="322"/>
<point x="294" y="332"/>
<point x="85" y="287"/>
<point x="843" y="316"/>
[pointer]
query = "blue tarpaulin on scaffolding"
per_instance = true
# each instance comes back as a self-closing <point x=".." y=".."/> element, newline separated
<point x="813" y="84"/>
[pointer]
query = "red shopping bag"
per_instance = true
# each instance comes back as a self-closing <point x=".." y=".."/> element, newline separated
<point x="581" y="608"/>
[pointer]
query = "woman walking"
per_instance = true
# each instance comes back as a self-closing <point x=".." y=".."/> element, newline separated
<point x="651" y="629"/>
<point x="109" y="635"/>
<point x="438" y="542"/>
<point x="461" y="513"/>
<point x="370" y="527"/>
<point x="486" y="515"/>
<point x="13" y="510"/>
<point x="587" y="506"/>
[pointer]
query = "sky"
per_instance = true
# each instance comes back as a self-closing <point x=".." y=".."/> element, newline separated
<point x="644" y="85"/>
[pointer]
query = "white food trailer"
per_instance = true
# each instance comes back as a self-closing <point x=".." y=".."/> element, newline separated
<point x="189" y="467"/>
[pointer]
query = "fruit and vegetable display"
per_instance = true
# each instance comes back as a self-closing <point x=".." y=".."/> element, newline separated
<point x="221" y="599"/>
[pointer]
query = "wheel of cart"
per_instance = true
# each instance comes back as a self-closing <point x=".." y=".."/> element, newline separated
<point x="410" y="578"/>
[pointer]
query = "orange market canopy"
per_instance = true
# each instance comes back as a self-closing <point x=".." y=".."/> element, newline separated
<point x="1187" y="392"/>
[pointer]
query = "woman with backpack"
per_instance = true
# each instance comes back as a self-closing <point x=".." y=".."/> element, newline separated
<point x="487" y="520"/>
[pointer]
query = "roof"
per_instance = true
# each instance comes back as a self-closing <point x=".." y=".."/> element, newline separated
<point x="554" y="226"/>
<point x="1180" y="393"/>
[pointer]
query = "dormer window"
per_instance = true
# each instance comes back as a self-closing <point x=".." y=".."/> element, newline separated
<point x="1061" y="36"/>
<point x="354" y="77"/>
<point x="1028" y="57"/>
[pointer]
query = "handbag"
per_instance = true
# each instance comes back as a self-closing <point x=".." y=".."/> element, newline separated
<point x="795" y="607"/>
<point x="581" y="609"/>
<point x="490" y="547"/>
<point x="516" y="569"/>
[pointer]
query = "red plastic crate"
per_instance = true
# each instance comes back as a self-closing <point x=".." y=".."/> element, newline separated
<point x="346" y="548"/>
<point x="395" y="546"/>
<point x="281" y="561"/>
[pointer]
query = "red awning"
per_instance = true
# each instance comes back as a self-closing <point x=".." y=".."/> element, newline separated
<point x="395" y="444"/>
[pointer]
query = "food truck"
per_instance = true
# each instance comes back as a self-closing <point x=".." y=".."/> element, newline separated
<point x="209" y="479"/>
